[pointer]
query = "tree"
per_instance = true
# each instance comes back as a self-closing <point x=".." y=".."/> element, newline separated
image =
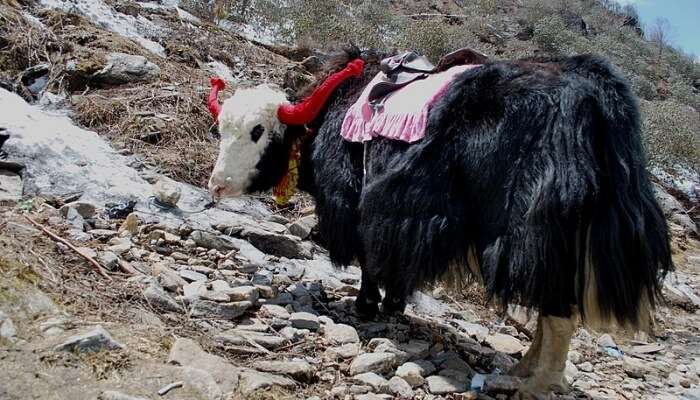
<point x="659" y="33"/>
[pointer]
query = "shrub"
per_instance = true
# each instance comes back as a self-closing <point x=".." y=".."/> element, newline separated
<point x="671" y="133"/>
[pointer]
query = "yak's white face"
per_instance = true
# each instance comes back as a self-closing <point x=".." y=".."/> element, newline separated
<point x="248" y="123"/>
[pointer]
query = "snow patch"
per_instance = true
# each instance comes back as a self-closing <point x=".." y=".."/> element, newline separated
<point x="182" y="14"/>
<point x="100" y="14"/>
<point x="221" y="70"/>
<point x="683" y="179"/>
<point x="61" y="158"/>
<point x="259" y="33"/>
<point x="34" y="21"/>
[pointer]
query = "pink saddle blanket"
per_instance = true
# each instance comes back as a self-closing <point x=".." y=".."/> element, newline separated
<point x="401" y="115"/>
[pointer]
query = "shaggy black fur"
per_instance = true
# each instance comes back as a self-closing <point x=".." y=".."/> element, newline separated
<point x="534" y="163"/>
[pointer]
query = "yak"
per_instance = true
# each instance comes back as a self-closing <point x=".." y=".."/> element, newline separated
<point x="530" y="179"/>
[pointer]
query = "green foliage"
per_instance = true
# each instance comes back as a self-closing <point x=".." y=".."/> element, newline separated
<point x="671" y="133"/>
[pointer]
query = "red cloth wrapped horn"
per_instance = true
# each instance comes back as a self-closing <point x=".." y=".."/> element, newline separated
<point x="217" y="84"/>
<point x="308" y="109"/>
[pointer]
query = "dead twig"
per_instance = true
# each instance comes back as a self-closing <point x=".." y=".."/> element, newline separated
<point x="59" y="239"/>
<point x="46" y="266"/>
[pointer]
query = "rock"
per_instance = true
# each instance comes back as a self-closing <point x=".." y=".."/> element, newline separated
<point x="192" y="276"/>
<point x="606" y="341"/>
<point x="460" y="375"/>
<point x="304" y="320"/>
<point x="299" y="370"/>
<point x="570" y="371"/>
<point x="112" y="395"/>
<point x="635" y="368"/>
<point x="202" y="382"/>
<point x="372" y="362"/>
<point x="504" y="343"/>
<point x="194" y="290"/>
<point x="252" y="381"/>
<point x="243" y="293"/>
<point x="501" y="384"/>
<point x="276" y="244"/>
<point x="212" y="295"/>
<point x="443" y="385"/>
<point x="575" y="357"/>
<point x="168" y="278"/>
<point x="7" y="327"/>
<point x="119" y="245"/>
<point x="674" y="210"/>
<point x="211" y="309"/>
<point x="416" y="349"/>
<point x="294" y="334"/>
<point x="275" y="311"/>
<point x="130" y="225"/>
<point x="93" y="341"/>
<point x="478" y="332"/>
<point x="211" y="241"/>
<point x="10" y="187"/>
<point x="400" y="388"/>
<point x="342" y="352"/>
<point x="383" y="345"/>
<point x="373" y="396"/>
<point x="263" y="277"/>
<point x="302" y="228"/>
<point x="188" y="353"/>
<point x="376" y="382"/>
<point x="85" y="209"/>
<point x="415" y="372"/>
<point x="586" y="367"/>
<point x="158" y="298"/>
<point x="122" y="68"/>
<point x="680" y="294"/>
<point x="339" y="334"/>
<point x="75" y="220"/>
<point x="239" y="337"/>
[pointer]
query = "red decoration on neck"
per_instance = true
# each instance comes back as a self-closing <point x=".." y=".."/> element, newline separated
<point x="305" y="112"/>
<point x="217" y="84"/>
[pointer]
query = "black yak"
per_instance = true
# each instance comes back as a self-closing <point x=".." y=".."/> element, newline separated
<point x="531" y="177"/>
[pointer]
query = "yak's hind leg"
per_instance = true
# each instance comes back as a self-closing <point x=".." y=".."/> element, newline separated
<point x="543" y="365"/>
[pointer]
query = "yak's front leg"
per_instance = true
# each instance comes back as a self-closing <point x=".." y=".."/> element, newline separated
<point x="543" y="365"/>
<point x="394" y="301"/>
<point x="367" y="302"/>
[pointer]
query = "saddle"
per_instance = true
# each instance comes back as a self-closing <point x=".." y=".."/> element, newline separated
<point x="409" y="67"/>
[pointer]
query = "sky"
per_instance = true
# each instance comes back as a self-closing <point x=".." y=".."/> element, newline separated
<point x="684" y="16"/>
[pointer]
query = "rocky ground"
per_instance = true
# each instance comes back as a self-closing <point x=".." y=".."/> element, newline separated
<point x="107" y="298"/>
<point x="121" y="283"/>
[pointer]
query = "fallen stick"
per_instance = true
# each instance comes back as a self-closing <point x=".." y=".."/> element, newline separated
<point x="163" y="391"/>
<point x="59" y="239"/>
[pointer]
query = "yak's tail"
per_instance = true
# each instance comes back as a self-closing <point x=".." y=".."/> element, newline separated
<point x="623" y="245"/>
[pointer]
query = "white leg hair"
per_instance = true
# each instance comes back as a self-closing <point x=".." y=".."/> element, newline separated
<point x="543" y="364"/>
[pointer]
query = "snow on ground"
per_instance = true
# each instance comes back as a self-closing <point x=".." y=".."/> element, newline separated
<point x="220" y="69"/>
<point x="135" y="28"/>
<point x="61" y="158"/>
<point x="683" y="179"/>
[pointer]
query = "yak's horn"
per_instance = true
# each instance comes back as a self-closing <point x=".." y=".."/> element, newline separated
<point x="217" y="84"/>
<point x="308" y="109"/>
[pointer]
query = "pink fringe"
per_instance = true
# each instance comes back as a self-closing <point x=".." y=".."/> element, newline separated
<point x="361" y="124"/>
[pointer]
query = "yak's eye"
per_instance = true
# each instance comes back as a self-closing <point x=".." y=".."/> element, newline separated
<point x="257" y="131"/>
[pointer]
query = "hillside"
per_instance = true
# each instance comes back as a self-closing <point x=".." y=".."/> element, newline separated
<point x="102" y="106"/>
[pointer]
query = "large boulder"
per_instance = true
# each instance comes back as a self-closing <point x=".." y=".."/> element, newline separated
<point x="674" y="210"/>
<point x="122" y="68"/>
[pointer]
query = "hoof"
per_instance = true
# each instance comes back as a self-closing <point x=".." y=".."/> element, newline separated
<point x="392" y="306"/>
<point x="534" y="388"/>
<point x="365" y="308"/>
